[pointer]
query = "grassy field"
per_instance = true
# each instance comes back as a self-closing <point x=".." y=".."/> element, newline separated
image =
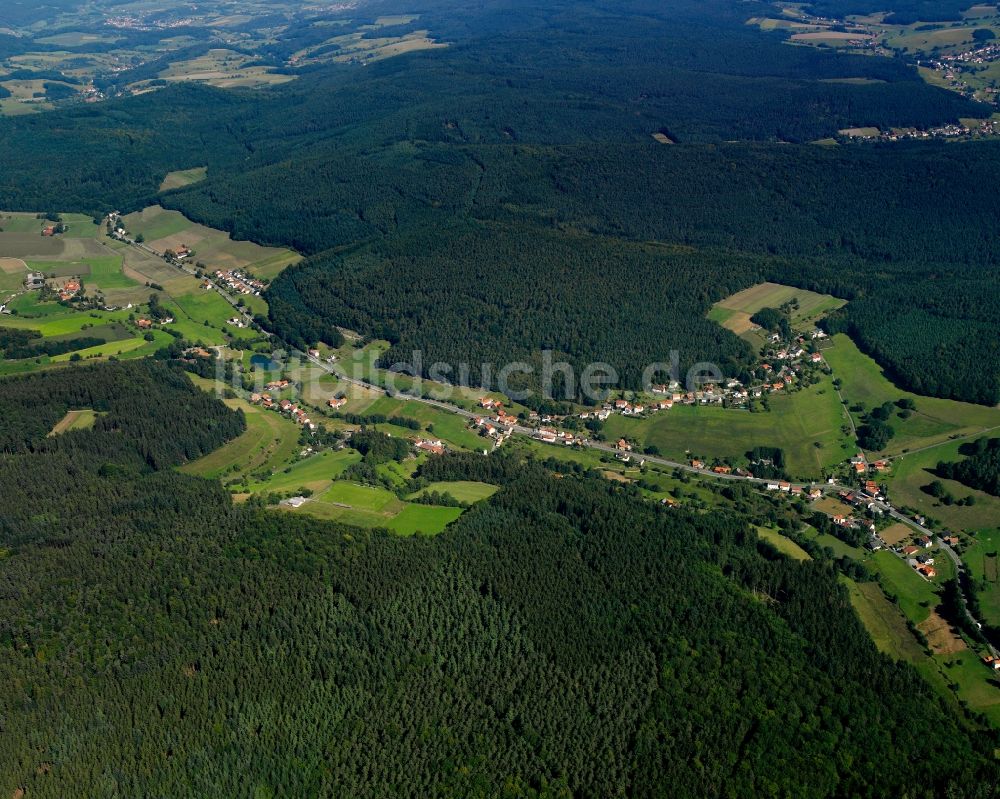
<point x="934" y="420"/>
<point x="839" y="548"/>
<point x="888" y="629"/>
<point x="782" y="544"/>
<point x="462" y="490"/>
<point x="914" y="471"/>
<point x="976" y="683"/>
<point x="361" y="46"/>
<point x="449" y="427"/>
<point x="368" y="506"/>
<point x="884" y="621"/>
<point x="916" y="596"/>
<point x="119" y="336"/>
<point x="164" y="230"/>
<point x="104" y="272"/>
<point x="423" y="519"/>
<point x="269" y="442"/>
<point x="734" y="312"/>
<point x="183" y="177"/>
<point x="225" y="69"/>
<point x="315" y="473"/>
<point x="983" y="560"/>
<point x="946" y="37"/>
<point x="75" y="420"/>
<point x="795" y="423"/>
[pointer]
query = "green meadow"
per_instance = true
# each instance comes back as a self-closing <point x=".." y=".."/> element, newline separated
<point x="164" y="230"/>
<point x="370" y="506"/>
<point x="314" y="472"/>
<point x="796" y="423"/>
<point x="914" y="594"/>
<point x="934" y="420"/>
<point x="269" y="443"/>
<point x="784" y="545"/>
<point x="911" y="473"/>
<point x="449" y="427"/>
<point x="983" y="560"/>
<point x="462" y="490"/>
<point x="425" y="519"/>
<point x="180" y="178"/>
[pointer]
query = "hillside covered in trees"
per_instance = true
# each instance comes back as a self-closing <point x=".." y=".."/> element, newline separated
<point x="356" y="166"/>
<point x="564" y="638"/>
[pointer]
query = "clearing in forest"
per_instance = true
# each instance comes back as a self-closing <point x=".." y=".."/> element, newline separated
<point x="75" y="420"/>
<point x="183" y="177"/>
<point x="734" y="312"/>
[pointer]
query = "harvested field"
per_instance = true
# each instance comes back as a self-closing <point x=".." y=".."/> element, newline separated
<point x="12" y="266"/>
<point x="940" y="636"/>
<point x="894" y="534"/>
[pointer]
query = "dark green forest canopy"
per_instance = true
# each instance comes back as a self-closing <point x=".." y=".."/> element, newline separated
<point x="901" y="12"/>
<point x="980" y="470"/>
<point x="564" y="638"/>
<point x="540" y="116"/>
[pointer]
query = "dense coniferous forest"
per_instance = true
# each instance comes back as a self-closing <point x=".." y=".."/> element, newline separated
<point x="497" y="293"/>
<point x="980" y="470"/>
<point x="560" y="147"/>
<point x="564" y="638"/>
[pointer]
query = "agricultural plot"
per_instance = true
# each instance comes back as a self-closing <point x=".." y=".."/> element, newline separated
<point x="838" y="547"/>
<point x="734" y="312"/>
<point x="462" y="490"/>
<point x="860" y="133"/>
<point x="807" y="424"/>
<point x="224" y="69"/>
<point x="183" y="177"/>
<point x="945" y="38"/>
<point x="170" y="230"/>
<point x="123" y="276"/>
<point x="12" y="274"/>
<point x="423" y="519"/>
<point x="368" y="506"/>
<point x="449" y="427"/>
<point x="888" y="629"/>
<point x="934" y="420"/>
<point x="976" y="684"/>
<point x="360" y="46"/>
<point x="75" y="420"/>
<point x="896" y="533"/>
<point x="103" y="272"/>
<point x="315" y="473"/>
<point x="941" y="636"/>
<point x="78" y="226"/>
<point x="119" y="336"/>
<point x="884" y="621"/>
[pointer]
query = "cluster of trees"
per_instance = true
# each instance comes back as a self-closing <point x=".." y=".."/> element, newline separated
<point x="564" y="638"/>
<point x="980" y="470"/>
<point x="767" y="462"/>
<point x="17" y="343"/>
<point x="377" y="447"/>
<point x="774" y="320"/>
<point x="876" y="432"/>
